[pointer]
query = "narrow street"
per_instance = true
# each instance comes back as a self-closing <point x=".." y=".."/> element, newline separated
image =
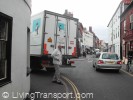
<point x="92" y="85"/>
<point x="41" y="43"/>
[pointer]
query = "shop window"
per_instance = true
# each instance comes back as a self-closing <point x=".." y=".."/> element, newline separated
<point x="5" y="48"/>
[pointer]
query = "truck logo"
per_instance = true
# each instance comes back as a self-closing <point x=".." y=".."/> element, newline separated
<point x="61" y="26"/>
<point x="36" y="25"/>
<point x="49" y="39"/>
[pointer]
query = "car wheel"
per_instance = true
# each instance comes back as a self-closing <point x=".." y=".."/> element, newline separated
<point x="96" y="69"/>
<point x="93" y="65"/>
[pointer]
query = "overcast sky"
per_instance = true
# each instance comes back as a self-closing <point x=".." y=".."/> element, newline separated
<point x="95" y="13"/>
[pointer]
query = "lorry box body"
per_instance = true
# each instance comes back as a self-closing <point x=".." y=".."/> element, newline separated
<point x="48" y="30"/>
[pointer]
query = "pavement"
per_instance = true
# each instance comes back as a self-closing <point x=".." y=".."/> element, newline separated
<point x="124" y="69"/>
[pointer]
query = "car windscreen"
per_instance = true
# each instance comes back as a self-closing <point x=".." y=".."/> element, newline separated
<point x="110" y="56"/>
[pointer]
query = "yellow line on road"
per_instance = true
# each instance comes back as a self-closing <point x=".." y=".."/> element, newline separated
<point x="126" y="72"/>
<point x="74" y="88"/>
<point x="65" y="87"/>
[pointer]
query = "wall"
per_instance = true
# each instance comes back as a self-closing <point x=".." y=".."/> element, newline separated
<point x="88" y="39"/>
<point x="20" y="11"/>
<point x="114" y="31"/>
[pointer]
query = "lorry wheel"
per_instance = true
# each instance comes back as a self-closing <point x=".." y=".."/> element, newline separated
<point x="35" y="63"/>
<point x="118" y="71"/>
<point x="50" y="69"/>
<point x="69" y="64"/>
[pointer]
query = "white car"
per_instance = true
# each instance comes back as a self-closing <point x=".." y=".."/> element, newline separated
<point x="107" y="60"/>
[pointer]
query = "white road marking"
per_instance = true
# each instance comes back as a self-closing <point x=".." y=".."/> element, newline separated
<point x="90" y="61"/>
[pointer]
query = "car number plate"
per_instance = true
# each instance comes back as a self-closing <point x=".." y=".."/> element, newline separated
<point x="109" y="62"/>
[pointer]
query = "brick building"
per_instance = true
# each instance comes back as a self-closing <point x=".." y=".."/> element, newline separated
<point x="127" y="28"/>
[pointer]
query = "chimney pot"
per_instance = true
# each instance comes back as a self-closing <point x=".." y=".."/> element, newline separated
<point x="90" y="28"/>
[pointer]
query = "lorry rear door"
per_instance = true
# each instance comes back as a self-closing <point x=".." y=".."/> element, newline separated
<point x="60" y="29"/>
<point x="72" y="34"/>
<point x="62" y="34"/>
<point x="49" y="32"/>
<point x="55" y="33"/>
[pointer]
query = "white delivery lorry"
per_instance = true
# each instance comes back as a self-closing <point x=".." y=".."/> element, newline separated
<point x="49" y="29"/>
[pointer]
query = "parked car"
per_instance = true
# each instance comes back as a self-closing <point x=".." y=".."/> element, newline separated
<point x="107" y="60"/>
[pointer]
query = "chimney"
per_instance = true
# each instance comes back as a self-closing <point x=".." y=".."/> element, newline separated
<point x="71" y="14"/>
<point x="127" y="1"/>
<point x="90" y="29"/>
<point x="66" y="12"/>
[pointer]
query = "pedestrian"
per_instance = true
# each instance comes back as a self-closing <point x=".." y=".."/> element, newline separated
<point x="57" y="61"/>
<point x="130" y="56"/>
<point x="84" y="54"/>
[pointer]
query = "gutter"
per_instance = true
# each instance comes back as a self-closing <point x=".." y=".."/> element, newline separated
<point x="28" y="4"/>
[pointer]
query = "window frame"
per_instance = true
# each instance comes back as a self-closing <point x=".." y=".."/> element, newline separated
<point x="109" y="55"/>
<point x="116" y="33"/>
<point x="28" y="51"/>
<point x="131" y="22"/>
<point x="9" y="20"/>
<point x="124" y="26"/>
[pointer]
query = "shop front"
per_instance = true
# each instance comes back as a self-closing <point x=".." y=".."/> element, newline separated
<point x="128" y="46"/>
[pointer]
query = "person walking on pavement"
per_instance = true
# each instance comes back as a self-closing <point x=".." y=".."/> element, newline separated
<point x="84" y="54"/>
<point x="57" y="61"/>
